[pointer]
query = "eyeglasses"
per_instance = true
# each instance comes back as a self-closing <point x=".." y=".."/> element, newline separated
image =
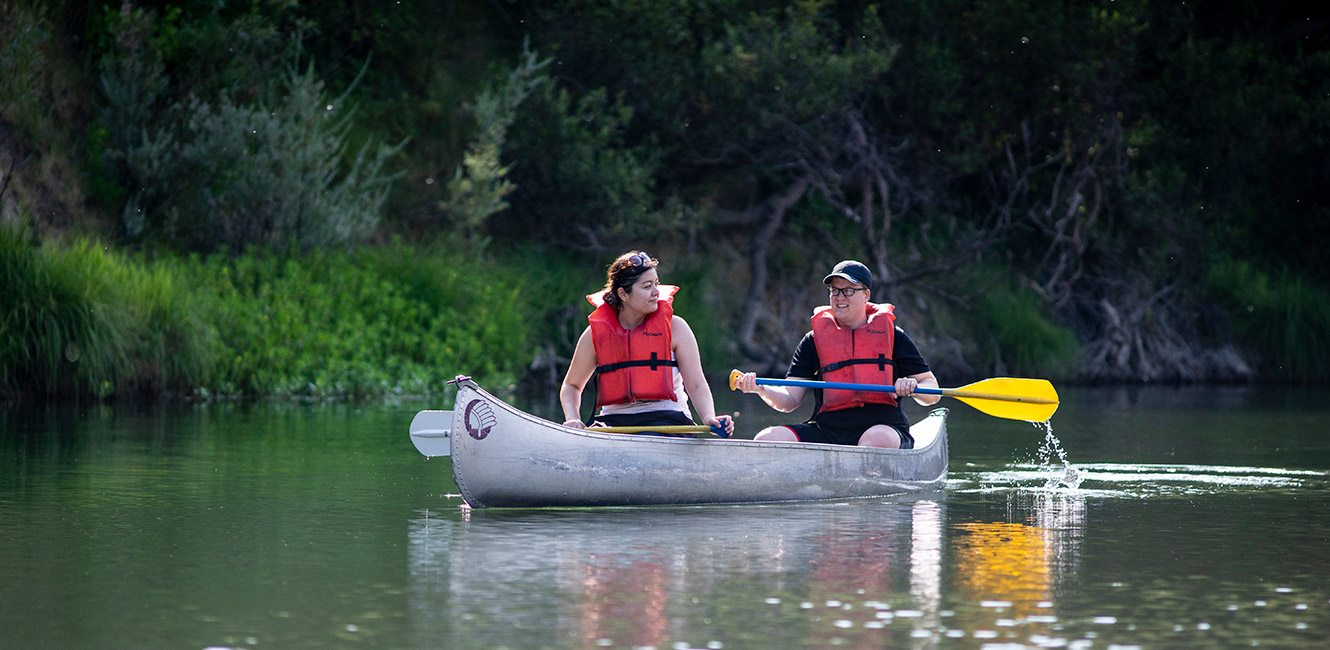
<point x="636" y="259"/>
<point x="847" y="292"/>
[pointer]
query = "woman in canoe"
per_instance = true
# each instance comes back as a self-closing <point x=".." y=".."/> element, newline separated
<point x="645" y="357"/>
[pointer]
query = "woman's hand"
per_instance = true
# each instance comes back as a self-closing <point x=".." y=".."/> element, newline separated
<point x="576" y="424"/>
<point x="723" y="422"/>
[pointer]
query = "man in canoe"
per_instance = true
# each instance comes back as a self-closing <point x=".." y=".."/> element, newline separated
<point x="855" y="341"/>
<point x="646" y="357"/>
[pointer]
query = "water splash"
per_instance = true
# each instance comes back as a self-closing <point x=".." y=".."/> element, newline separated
<point x="1050" y="453"/>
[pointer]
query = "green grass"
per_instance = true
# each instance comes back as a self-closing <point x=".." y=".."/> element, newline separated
<point x="1016" y="336"/>
<point x="1283" y="319"/>
<point x="80" y="320"/>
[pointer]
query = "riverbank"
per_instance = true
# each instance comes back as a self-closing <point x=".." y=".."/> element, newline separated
<point x="84" y="320"/>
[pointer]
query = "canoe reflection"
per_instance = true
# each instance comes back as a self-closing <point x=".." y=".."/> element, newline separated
<point x="663" y="576"/>
<point x="623" y="602"/>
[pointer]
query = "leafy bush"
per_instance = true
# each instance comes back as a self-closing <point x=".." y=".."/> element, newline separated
<point x="231" y="168"/>
<point x="480" y="184"/>
<point x="589" y="186"/>
<point x="234" y="176"/>
<point x="388" y="321"/>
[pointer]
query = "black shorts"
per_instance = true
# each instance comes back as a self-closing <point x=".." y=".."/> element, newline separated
<point x="646" y="419"/>
<point x="814" y="432"/>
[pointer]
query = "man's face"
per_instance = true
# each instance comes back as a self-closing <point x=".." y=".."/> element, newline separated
<point x="849" y="301"/>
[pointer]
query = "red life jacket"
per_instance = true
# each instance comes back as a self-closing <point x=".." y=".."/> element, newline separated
<point x="856" y="356"/>
<point x="634" y="364"/>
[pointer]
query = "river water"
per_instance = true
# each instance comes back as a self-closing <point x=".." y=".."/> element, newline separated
<point x="1147" y="517"/>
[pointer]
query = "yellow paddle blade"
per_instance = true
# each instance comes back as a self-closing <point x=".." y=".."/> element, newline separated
<point x="1032" y="400"/>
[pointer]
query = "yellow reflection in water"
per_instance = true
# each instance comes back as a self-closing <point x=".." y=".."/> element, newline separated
<point x="1004" y="562"/>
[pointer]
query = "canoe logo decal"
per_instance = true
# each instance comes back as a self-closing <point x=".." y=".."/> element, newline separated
<point x="479" y="419"/>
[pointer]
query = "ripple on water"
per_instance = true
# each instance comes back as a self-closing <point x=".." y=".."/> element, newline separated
<point x="1135" y="480"/>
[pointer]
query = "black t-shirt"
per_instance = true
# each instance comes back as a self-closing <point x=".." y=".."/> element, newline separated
<point x="906" y="360"/>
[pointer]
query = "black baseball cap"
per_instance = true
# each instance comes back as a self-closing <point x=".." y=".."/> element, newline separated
<point x="852" y="271"/>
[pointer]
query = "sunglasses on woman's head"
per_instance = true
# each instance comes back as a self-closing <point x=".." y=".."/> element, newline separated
<point x="636" y="259"/>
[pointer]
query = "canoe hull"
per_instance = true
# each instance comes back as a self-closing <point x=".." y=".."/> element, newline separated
<point x="505" y="458"/>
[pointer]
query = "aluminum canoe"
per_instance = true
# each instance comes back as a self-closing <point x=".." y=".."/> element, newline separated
<point x="503" y="457"/>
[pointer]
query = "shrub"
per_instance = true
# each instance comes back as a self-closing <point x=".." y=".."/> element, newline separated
<point x="206" y="168"/>
<point x="480" y="184"/>
<point x="234" y="176"/>
<point x="393" y="320"/>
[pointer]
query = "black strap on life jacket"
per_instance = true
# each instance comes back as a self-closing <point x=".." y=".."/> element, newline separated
<point x="653" y="362"/>
<point x="881" y="362"/>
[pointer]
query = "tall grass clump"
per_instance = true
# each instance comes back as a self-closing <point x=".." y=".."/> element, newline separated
<point x="1017" y="337"/>
<point x="1284" y="320"/>
<point x="78" y="320"/>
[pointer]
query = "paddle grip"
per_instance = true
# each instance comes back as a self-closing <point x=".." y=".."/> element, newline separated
<point x="720" y="430"/>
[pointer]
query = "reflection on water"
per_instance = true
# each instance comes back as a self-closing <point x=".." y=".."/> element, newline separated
<point x="647" y="577"/>
<point x="1014" y="569"/>
<point x="1004" y="565"/>
<point x="908" y="573"/>
<point x="846" y="574"/>
<point x="926" y="568"/>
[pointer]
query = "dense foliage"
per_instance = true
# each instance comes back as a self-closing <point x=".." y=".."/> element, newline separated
<point x="1124" y="190"/>
<point x="391" y="320"/>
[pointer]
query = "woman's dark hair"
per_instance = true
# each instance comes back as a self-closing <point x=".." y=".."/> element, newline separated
<point x="623" y="274"/>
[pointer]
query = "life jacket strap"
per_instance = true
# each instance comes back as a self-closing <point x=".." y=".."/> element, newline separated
<point x="654" y="363"/>
<point x="881" y="361"/>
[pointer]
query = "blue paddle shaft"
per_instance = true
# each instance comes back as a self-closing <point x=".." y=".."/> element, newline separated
<point x="808" y="383"/>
